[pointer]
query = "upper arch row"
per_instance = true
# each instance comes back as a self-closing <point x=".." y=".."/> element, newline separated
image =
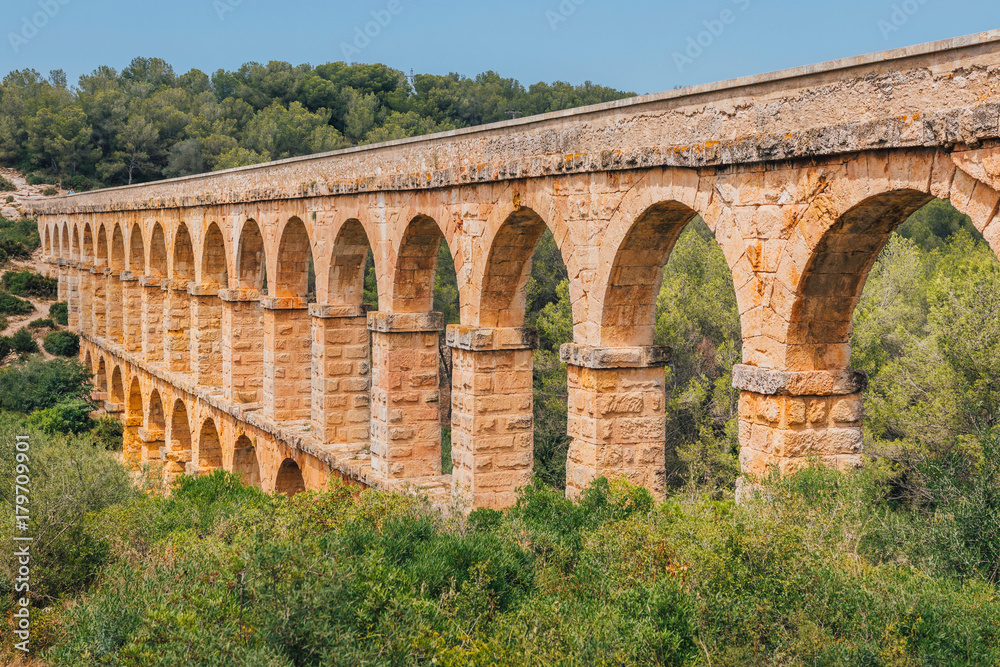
<point x="778" y="229"/>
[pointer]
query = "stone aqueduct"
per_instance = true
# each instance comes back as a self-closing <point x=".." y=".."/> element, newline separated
<point x="191" y="295"/>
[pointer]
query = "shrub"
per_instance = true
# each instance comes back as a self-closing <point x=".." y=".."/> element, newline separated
<point x="19" y="238"/>
<point x="6" y="185"/>
<point x="60" y="312"/>
<point x="36" y="384"/>
<point x="44" y="323"/>
<point x="62" y="343"/>
<point x="10" y="199"/>
<point x="23" y="343"/>
<point x="69" y="480"/>
<point x="109" y="433"/>
<point x="48" y="192"/>
<point x="66" y="417"/>
<point x="36" y="179"/>
<point x="11" y="305"/>
<point x="28" y="283"/>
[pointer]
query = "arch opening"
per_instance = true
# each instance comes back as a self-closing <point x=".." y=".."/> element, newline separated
<point x="209" y="447"/>
<point x="289" y="480"/>
<point x="179" y="453"/>
<point x="117" y="387"/>
<point x="183" y="259"/>
<point x="137" y="251"/>
<point x="296" y="273"/>
<point x="87" y="247"/>
<point x="352" y="268"/>
<point x="158" y="252"/>
<point x="245" y="462"/>
<point x="251" y="266"/>
<point x="117" y="249"/>
<point x="214" y="268"/>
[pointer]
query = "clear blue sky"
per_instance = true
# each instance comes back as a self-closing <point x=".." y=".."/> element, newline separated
<point x="627" y="45"/>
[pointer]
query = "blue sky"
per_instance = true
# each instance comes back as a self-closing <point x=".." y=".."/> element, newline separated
<point x="643" y="46"/>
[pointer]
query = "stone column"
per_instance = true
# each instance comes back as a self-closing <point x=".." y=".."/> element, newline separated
<point x="206" y="335"/>
<point x="242" y="345"/>
<point x="100" y="315"/>
<point x="61" y="287"/>
<point x="131" y="306"/>
<point x="86" y="319"/>
<point x="492" y="435"/>
<point x="153" y="441"/>
<point x="73" y="295"/>
<point x="341" y="373"/>
<point x="113" y="307"/>
<point x="176" y="326"/>
<point x="791" y="418"/>
<point x="132" y="444"/>
<point x="405" y="404"/>
<point x="616" y="415"/>
<point x="287" y="359"/>
<point x="152" y="319"/>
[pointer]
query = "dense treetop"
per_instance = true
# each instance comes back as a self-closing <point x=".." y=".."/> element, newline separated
<point x="147" y="122"/>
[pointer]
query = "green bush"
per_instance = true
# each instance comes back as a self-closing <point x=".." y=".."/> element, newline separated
<point x="67" y="417"/>
<point x="36" y="384"/>
<point x="69" y="481"/>
<point x="48" y="192"/>
<point x="108" y="432"/>
<point x="36" y="179"/>
<point x="28" y="283"/>
<point x="19" y="238"/>
<point x="22" y="342"/>
<point x="10" y="199"/>
<point x="11" y="305"/>
<point x="44" y="323"/>
<point x="6" y="185"/>
<point x="60" y="312"/>
<point x="62" y="343"/>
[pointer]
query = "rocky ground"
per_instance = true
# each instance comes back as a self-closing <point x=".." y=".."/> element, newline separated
<point x="14" y="209"/>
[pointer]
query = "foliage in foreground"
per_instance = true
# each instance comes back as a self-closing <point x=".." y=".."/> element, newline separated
<point x="29" y="283"/>
<point x="816" y="570"/>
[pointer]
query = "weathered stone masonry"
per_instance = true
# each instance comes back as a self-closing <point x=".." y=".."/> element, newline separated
<point x="198" y="315"/>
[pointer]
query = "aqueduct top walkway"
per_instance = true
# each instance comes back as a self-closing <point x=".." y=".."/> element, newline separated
<point x="192" y="294"/>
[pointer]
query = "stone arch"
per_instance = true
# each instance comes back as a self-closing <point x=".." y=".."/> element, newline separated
<point x="156" y="425"/>
<point x="294" y="262"/>
<point x="831" y="282"/>
<point x="137" y="251"/>
<point x="46" y="241"/>
<point x="88" y="362"/>
<point x="158" y="252"/>
<point x="183" y="255"/>
<point x="416" y="259"/>
<point x="214" y="268"/>
<point x="101" y="376"/>
<point x="628" y="315"/>
<point x="245" y="462"/>
<point x="251" y="264"/>
<point x="346" y="273"/>
<point x="101" y="247"/>
<point x="503" y="296"/>
<point x="289" y="480"/>
<point x="75" y="243"/>
<point x="132" y="443"/>
<point x="134" y="407"/>
<point x="209" y="447"/>
<point x="117" y="249"/>
<point x="87" y="245"/>
<point x="117" y="386"/>
<point x="64" y="244"/>
<point x="179" y="450"/>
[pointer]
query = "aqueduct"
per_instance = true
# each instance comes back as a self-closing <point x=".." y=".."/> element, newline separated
<point x="194" y="301"/>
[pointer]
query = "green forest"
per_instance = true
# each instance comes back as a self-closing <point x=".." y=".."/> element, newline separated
<point x="894" y="564"/>
<point x="146" y="122"/>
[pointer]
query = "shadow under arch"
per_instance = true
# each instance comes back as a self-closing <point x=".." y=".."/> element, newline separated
<point x="209" y="447"/>
<point x="137" y="251"/>
<point x="117" y="386"/>
<point x="156" y="426"/>
<point x="179" y="449"/>
<point x="349" y="262"/>
<point x="214" y="266"/>
<point x="289" y="480"/>
<point x="295" y="273"/>
<point x="134" y="414"/>
<point x="245" y="462"/>
<point x="251" y="258"/>
<point x="158" y="252"/>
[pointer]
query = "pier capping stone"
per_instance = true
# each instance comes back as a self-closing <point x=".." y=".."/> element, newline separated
<point x="113" y="408"/>
<point x="474" y="339"/>
<point x="382" y="322"/>
<point x="601" y="358"/>
<point x="127" y="277"/>
<point x="97" y="269"/>
<point x="327" y="311"/>
<point x="771" y="382"/>
<point x="174" y="284"/>
<point x="62" y="261"/>
<point x="202" y="289"/>
<point x="151" y="435"/>
<point x="239" y="295"/>
<point x="151" y="281"/>
<point x="284" y="303"/>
